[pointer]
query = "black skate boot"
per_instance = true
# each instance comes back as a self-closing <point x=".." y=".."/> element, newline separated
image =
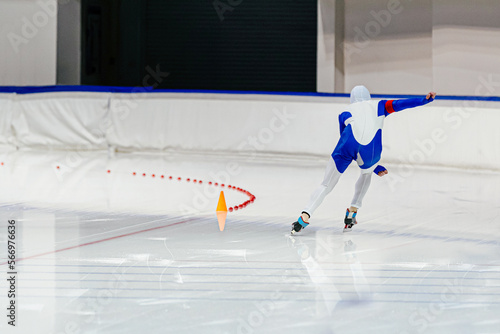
<point x="349" y="220"/>
<point x="299" y="225"/>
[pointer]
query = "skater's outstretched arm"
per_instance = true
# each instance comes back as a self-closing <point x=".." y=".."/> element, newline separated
<point x="390" y="106"/>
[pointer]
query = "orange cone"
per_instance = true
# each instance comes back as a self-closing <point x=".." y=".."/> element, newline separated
<point x="221" y="211"/>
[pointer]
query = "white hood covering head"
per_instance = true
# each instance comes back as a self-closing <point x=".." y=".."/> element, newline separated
<point x="360" y="94"/>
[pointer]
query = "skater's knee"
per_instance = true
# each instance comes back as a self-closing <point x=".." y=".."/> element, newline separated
<point x="329" y="188"/>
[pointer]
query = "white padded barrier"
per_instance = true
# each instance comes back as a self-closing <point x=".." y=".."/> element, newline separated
<point x="6" y="135"/>
<point x="451" y="134"/>
<point x="70" y="121"/>
<point x="222" y="123"/>
<point x="460" y="134"/>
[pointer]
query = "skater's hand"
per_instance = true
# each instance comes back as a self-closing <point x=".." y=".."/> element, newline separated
<point x="382" y="173"/>
<point x="431" y="95"/>
<point x="380" y="170"/>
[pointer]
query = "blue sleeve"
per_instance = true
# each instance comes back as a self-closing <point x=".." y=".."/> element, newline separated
<point x="342" y="118"/>
<point x="399" y="105"/>
<point x="391" y="106"/>
<point x="379" y="169"/>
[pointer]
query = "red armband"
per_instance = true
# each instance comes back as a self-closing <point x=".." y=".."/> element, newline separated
<point x="388" y="106"/>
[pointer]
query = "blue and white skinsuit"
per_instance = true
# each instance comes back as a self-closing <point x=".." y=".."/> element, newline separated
<point x="360" y="140"/>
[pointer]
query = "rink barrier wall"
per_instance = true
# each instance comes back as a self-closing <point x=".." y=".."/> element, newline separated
<point x="112" y="89"/>
<point x="458" y="132"/>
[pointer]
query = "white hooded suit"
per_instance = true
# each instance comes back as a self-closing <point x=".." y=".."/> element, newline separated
<point x="361" y="141"/>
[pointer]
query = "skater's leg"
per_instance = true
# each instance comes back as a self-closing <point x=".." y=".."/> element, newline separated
<point x="332" y="176"/>
<point x="362" y="185"/>
<point x="341" y="158"/>
<point x="361" y="188"/>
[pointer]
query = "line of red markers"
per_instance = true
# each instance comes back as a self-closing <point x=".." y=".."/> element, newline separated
<point x="215" y="184"/>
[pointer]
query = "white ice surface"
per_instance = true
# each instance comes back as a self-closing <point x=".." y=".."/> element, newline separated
<point x="111" y="252"/>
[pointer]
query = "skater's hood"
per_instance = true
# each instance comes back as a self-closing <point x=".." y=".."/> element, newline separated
<point x="360" y="94"/>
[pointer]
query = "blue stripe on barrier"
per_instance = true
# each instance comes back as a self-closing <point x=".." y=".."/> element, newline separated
<point x="126" y="90"/>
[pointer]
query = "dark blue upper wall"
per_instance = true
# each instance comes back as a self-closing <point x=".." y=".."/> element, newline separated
<point x="204" y="44"/>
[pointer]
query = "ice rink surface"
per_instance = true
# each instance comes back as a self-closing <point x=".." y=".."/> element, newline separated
<point x="101" y="252"/>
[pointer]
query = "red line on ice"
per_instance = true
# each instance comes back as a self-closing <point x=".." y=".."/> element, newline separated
<point x="97" y="241"/>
